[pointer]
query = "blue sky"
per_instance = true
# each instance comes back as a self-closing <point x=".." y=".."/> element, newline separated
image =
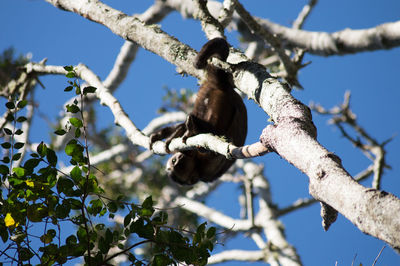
<point x="64" y="38"/>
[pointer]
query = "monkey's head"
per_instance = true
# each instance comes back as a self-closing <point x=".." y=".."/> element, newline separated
<point x="181" y="168"/>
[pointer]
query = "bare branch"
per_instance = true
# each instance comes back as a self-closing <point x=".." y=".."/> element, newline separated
<point x="369" y="146"/>
<point x="237" y="255"/>
<point x="377" y="257"/>
<point x="164" y="120"/>
<point x="211" y="27"/>
<point x="213" y="215"/>
<point x="305" y="12"/>
<point x="290" y="68"/>
<point x="225" y="15"/>
<point x="348" y="41"/>
<point x="300" y="203"/>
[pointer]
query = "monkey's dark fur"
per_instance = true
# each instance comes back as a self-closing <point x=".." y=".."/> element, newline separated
<point x="219" y="110"/>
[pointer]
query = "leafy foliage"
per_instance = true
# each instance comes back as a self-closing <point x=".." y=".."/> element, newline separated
<point x="37" y="196"/>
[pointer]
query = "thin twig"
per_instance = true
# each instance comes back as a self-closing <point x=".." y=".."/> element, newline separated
<point x="377" y="257"/>
<point x="127" y="249"/>
<point x="305" y="12"/>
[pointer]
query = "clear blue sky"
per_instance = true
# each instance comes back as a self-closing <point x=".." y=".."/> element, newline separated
<point x="34" y="26"/>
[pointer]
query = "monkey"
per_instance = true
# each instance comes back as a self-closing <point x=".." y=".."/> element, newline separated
<point x="219" y="110"/>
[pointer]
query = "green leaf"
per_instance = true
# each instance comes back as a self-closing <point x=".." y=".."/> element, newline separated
<point x="112" y="206"/>
<point x="109" y="236"/>
<point x="71" y="240"/>
<point x="127" y="219"/>
<point x="3" y="233"/>
<point x="95" y="206"/>
<point x="77" y="90"/>
<point x="42" y="149"/>
<point x="76" y="174"/>
<point x="31" y="164"/>
<point x="25" y="254"/>
<point x="77" y="133"/>
<point x="142" y="230"/>
<point x="65" y="185"/>
<point x="63" y="210"/>
<point x="7" y="131"/>
<point x="6" y="145"/>
<point x="89" y="89"/>
<point x="148" y="203"/>
<point x="36" y="212"/>
<point x="73" y="108"/>
<point x="75" y="204"/>
<point x="60" y="132"/>
<point x="18" y="132"/>
<point x="211" y="232"/>
<point x="21" y="119"/>
<point x="70" y="75"/>
<point x="76" y="122"/>
<point x="22" y="104"/>
<point x="82" y="235"/>
<point x="51" y="157"/>
<point x="5" y="159"/>
<point x="68" y="88"/>
<point x="10" y="117"/>
<point x="16" y="156"/>
<point x="104" y="246"/>
<point x="76" y="151"/>
<point x="10" y="105"/>
<point x="19" y="145"/>
<point x="71" y="147"/>
<point x="19" y="171"/>
<point x="68" y="68"/>
<point x="161" y="260"/>
<point x="4" y="169"/>
<point x="46" y="238"/>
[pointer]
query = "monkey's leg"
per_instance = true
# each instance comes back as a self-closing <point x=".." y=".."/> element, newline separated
<point x="195" y="126"/>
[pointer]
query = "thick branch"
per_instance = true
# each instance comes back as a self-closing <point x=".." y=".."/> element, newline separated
<point x="374" y="212"/>
<point x="348" y="41"/>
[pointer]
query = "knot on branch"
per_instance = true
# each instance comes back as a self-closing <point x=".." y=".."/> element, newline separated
<point x="328" y="215"/>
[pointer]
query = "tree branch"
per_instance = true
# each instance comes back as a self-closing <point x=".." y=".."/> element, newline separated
<point x="305" y="12"/>
<point x="237" y="255"/>
<point x="348" y="41"/>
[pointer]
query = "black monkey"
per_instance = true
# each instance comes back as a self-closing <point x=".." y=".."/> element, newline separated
<point x="219" y="110"/>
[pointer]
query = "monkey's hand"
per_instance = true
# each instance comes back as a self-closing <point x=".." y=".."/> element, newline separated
<point x="167" y="133"/>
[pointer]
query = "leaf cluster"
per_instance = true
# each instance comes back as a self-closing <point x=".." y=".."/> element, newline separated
<point x="37" y="200"/>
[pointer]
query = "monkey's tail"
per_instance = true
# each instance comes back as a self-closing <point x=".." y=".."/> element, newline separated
<point x="217" y="47"/>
